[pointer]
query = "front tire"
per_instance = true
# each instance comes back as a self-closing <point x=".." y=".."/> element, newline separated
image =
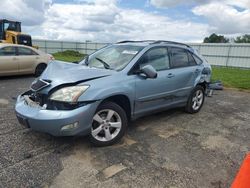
<point x="195" y="100"/>
<point x="109" y="124"/>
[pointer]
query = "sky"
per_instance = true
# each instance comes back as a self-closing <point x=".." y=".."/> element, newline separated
<point x="116" y="20"/>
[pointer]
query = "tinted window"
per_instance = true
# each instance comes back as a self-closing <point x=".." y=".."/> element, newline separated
<point x="7" y="51"/>
<point x="191" y="60"/>
<point x="198" y="60"/>
<point x="157" y="58"/>
<point x="179" y="58"/>
<point x="25" y="51"/>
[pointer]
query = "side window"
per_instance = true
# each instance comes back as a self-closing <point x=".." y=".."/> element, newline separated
<point x="197" y="60"/>
<point x="192" y="62"/>
<point x="8" y="51"/>
<point x="157" y="58"/>
<point x="25" y="51"/>
<point x="179" y="58"/>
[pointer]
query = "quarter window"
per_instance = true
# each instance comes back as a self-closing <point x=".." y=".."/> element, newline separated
<point x="157" y="58"/>
<point x="25" y="51"/>
<point x="192" y="62"/>
<point x="8" y="51"/>
<point x="198" y="60"/>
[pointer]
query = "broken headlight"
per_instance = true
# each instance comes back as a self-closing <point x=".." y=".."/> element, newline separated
<point x="68" y="94"/>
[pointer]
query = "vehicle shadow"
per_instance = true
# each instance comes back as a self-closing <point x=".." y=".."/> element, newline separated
<point x="157" y="116"/>
<point x="16" y="77"/>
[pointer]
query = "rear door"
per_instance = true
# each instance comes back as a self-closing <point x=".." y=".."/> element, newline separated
<point x="8" y="61"/>
<point x="27" y="59"/>
<point x="185" y="71"/>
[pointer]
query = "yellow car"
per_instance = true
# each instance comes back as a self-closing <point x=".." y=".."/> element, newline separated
<point x="19" y="60"/>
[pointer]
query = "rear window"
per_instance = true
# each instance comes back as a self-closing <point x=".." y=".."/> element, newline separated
<point x="25" y="51"/>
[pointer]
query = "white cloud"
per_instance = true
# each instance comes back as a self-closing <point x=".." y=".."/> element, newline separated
<point x="229" y="17"/>
<point x="171" y="3"/>
<point x="30" y="12"/>
<point x="102" y="21"/>
<point x="225" y="17"/>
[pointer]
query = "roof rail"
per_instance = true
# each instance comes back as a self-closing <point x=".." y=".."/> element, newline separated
<point x="127" y="41"/>
<point x="171" y="42"/>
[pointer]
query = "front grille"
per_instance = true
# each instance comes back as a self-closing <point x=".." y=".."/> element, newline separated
<point x="39" y="84"/>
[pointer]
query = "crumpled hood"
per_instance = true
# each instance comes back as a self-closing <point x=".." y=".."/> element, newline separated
<point x="63" y="73"/>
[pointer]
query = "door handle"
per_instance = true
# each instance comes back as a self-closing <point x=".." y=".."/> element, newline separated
<point x="170" y="75"/>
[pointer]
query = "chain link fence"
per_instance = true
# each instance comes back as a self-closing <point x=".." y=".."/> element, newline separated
<point x="231" y="55"/>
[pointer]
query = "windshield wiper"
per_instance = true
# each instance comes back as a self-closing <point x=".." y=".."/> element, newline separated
<point x="106" y="65"/>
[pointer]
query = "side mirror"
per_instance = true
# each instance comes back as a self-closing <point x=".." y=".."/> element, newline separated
<point x="149" y="71"/>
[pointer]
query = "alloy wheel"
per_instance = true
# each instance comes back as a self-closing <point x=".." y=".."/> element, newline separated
<point x="106" y="125"/>
<point x="197" y="99"/>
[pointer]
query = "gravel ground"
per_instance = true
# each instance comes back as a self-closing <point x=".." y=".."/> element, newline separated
<point x="168" y="149"/>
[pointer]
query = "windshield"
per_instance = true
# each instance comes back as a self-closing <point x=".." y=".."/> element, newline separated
<point x="114" y="57"/>
<point x="12" y="26"/>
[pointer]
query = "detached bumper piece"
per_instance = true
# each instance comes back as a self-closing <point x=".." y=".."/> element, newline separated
<point x="214" y="86"/>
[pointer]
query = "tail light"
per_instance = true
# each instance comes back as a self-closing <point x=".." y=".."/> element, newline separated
<point x="51" y="58"/>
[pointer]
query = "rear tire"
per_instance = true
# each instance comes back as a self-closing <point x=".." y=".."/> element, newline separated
<point x="39" y="69"/>
<point x="109" y="124"/>
<point x="195" y="100"/>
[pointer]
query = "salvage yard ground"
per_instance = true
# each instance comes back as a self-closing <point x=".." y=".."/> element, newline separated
<point x="168" y="149"/>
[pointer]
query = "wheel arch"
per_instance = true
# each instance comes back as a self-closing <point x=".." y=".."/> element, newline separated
<point x="38" y="64"/>
<point x="203" y="84"/>
<point x="123" y="101"/>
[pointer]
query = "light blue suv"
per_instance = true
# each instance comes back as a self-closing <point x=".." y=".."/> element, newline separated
<point x="116" y="84"/>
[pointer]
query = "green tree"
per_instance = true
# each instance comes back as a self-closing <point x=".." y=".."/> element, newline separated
<point x="214" y="38"/>
<point x="243" y="39"/>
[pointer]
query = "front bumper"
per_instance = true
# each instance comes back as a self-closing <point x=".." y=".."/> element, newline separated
<point x="52" y="121"/>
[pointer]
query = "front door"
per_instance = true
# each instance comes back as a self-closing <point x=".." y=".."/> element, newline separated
<point x="152" y="94"/>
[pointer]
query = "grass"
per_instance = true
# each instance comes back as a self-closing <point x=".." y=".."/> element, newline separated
<point x="230" y="77"/>
<point x="68" y="55"/>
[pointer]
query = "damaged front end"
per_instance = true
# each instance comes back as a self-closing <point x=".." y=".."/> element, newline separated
<point x="42" y="101"/>
<point x="55" y="99"/>
<point x="43" y="111"/>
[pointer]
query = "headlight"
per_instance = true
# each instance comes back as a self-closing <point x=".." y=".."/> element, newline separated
<point x="68" y="94"/>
